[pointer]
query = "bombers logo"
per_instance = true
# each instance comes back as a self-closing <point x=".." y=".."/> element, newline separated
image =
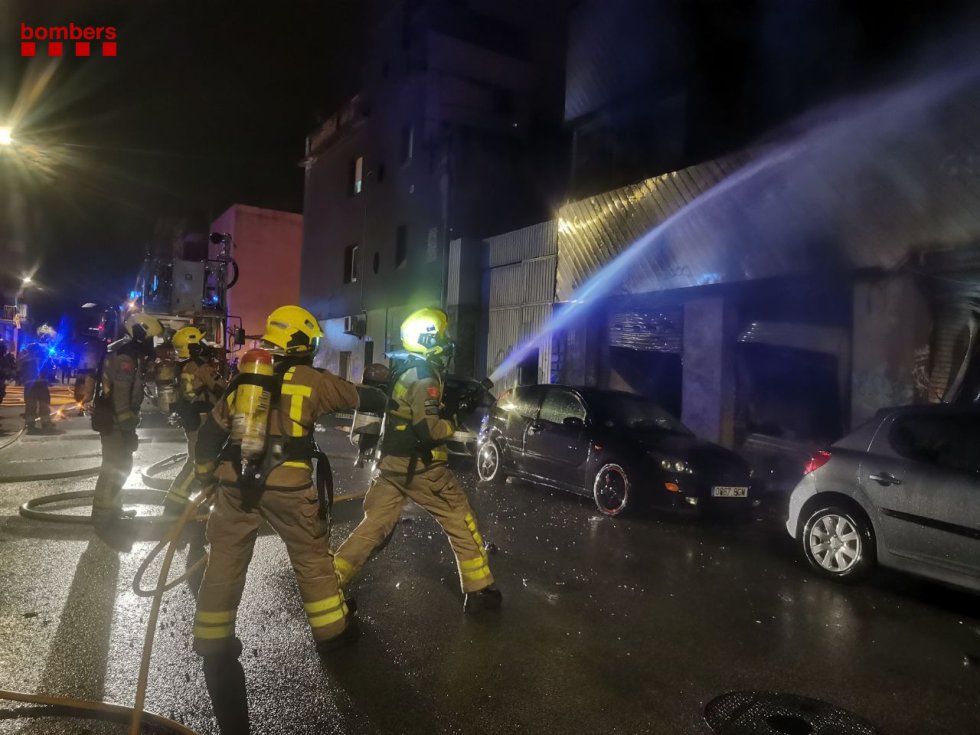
<point x="79" y="37"/>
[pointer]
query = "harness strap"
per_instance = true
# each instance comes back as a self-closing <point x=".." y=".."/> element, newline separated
<point x="324" y="484"/>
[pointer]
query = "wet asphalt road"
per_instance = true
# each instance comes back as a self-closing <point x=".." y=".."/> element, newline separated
<point x="612" y="626"/>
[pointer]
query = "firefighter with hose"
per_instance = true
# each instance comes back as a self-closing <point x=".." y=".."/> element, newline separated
<point x="199" y="387"/>
<point x="414" y="467"/>
<point x="257" y="446"/>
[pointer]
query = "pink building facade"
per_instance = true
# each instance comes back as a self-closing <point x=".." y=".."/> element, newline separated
<point x="267" y="249"/>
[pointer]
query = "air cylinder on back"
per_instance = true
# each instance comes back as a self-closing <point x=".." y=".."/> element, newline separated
<point x="250" y="419"/>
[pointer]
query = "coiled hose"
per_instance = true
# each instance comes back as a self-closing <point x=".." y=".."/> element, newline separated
<point x="136" y="713"/>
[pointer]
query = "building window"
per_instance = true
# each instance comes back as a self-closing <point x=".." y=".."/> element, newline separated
<point x="351" y="264"/>
<point x="401" y="245"/>
<point x="355" y="176"/>
<point x="408" y="142"/>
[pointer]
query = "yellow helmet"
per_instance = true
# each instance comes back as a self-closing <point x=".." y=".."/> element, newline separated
<point x="142" y="326"/>
<point x="293" y="330"/>
<point x="184" y="338"/>
<point x="424" y="332"/>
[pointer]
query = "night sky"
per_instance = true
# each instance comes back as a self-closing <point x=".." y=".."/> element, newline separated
<point x="207" y="103"/>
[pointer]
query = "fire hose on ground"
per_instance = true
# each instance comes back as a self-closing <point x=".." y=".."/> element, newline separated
<point x="136" y="715"/>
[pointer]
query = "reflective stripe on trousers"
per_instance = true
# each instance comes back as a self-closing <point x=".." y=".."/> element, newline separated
<point x="232" y="530"/>
<point x="212" y="626"/>
<point x="436" y="490"/>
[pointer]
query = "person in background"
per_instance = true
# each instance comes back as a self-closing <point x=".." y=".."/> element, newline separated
<point x="8" y="369"/>
<point x="32" y="367"/>
<point x="116" y="413"/>
<point x="199" y="387"/>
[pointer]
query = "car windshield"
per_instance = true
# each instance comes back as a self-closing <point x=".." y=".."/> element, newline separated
<point x="455" y="387"/>
<point x="635" y="413"/>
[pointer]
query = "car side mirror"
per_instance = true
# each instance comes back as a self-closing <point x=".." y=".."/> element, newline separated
<point x="573" y="422"/>
<point x="239" y="336"/>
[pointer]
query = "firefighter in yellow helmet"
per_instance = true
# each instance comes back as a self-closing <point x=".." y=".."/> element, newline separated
<point x="414" y="466"/>
<point x="257" y="445"/>
<point x="116" y="412"/>
<point x="199" y="387"/>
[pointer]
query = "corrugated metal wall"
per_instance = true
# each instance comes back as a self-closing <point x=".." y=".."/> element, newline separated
<point x="463" y="273"/>
<point x="529" y="242"/>
<point x="767" y="214"/>
<point x="453" y="273"/>
<point x="522" y="294"/>
<point x="592" y="232"/>
<point x="657" y="330"/>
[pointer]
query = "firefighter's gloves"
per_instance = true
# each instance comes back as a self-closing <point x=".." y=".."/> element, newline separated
<point x="371" y="400"/>
<point x="127" y="422"/>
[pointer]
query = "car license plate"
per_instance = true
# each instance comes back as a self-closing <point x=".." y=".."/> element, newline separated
<point x="726" y="491"/>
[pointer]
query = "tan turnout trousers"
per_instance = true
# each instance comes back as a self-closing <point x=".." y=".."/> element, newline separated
<point x="117" y="463"/>
<point x="180" y="488"/>
<point x="232" y="530"/>
<point x="436" y="490"/>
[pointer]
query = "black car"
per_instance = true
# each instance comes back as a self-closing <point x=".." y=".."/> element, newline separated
<point x="622" y="449"/>
<point x="463" y="442"/>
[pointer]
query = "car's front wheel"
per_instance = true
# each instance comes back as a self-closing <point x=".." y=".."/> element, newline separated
<point x="838" y="543"/>
<point x="611" y="489"/>
<point x="489" y="463"/>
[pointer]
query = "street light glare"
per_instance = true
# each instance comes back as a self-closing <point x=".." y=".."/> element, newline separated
<point x="27" y="280"/>
<point x="6" y="136"/>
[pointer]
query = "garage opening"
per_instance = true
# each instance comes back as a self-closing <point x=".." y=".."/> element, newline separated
<point x="645" y="354"/>
<point x="791" y="393"/>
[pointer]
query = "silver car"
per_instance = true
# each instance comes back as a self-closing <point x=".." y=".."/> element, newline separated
<point x="902" y="491"/>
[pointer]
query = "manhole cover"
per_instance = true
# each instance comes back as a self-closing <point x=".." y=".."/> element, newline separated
<point x="775" y="713"/>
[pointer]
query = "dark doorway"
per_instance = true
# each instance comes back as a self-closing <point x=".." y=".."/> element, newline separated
<point x="527" y="371"/>
<point x="790" y="393"/>
<point x="657" y="375"/>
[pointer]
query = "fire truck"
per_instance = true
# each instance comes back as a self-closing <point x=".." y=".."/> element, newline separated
<point x="187" y="289"/>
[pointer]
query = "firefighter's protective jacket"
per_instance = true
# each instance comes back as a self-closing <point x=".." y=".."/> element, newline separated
<point x="306" y="394"/>
<point x="29" y="366"/>
<point x="200" y="382"/>
<point x="415" y="432"/>
<point x="199" y="387"/>
<point x="122" y="382"/>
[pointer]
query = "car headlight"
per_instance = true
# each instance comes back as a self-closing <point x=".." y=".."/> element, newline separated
<point x="676" y="465"/>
